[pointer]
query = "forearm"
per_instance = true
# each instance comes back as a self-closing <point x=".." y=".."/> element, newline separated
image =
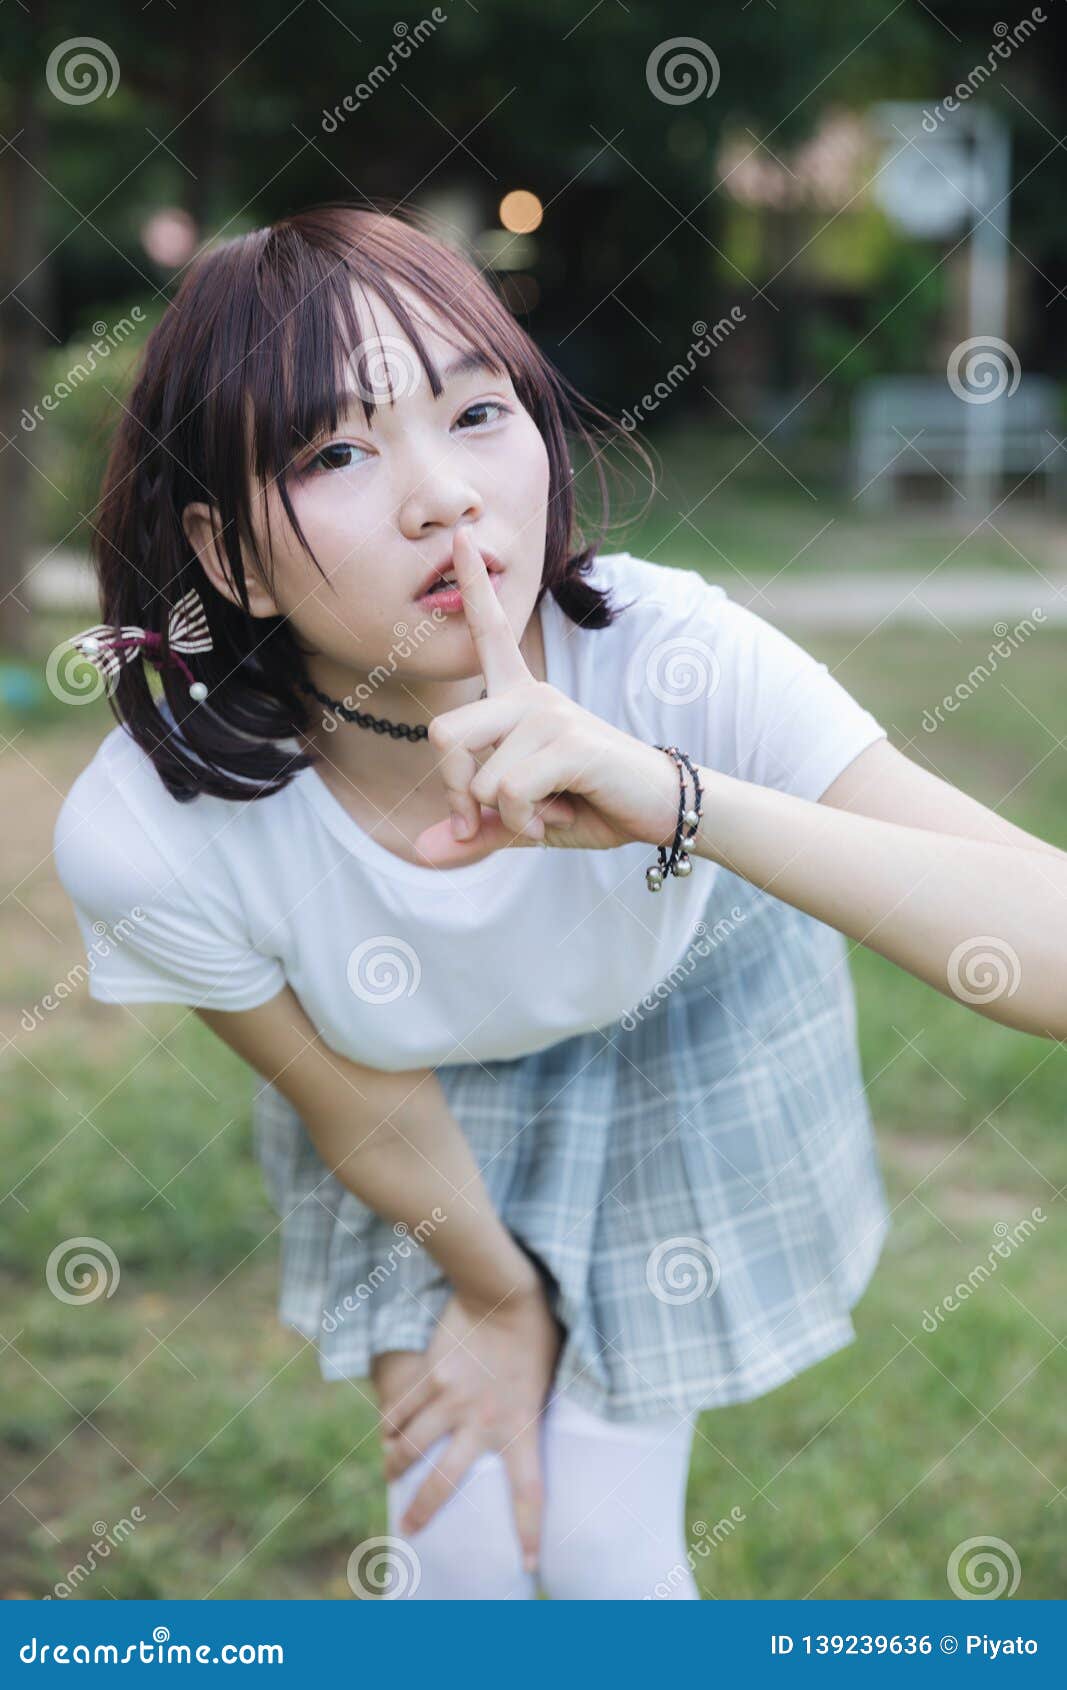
<point x="934" y="903"/>
<point x="391" y="1138"/>
<point x="409" y="1161"/>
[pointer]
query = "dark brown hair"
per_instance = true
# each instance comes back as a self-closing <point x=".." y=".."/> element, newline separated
<point x="244" y="369"/>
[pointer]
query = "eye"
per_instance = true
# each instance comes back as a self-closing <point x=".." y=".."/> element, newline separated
<point x="485" y="405"/>
<point x="325" y="459"/>
<point x="331" y="457"/>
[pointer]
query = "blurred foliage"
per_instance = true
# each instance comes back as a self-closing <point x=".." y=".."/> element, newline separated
<point x="87" y="388"/>
<point x="220" y="111"/>
<point x="892" y="328"/>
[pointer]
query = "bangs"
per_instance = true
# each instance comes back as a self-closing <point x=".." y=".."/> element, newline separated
<point x="331" y="351"/>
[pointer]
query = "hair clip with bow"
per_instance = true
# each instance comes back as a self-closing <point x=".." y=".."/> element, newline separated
<point x="108" y="647"/>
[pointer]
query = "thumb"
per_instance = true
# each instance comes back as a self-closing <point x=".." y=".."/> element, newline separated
<point x="438" y="846"/>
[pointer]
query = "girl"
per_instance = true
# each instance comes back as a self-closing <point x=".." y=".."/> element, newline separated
<point x="559" y="1163"/>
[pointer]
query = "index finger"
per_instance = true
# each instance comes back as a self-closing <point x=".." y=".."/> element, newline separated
<point x="499" y="657"/>
<point x="522" y="1459"/>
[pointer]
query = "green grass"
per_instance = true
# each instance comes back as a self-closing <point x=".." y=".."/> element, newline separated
<point x="183" y="1395"/>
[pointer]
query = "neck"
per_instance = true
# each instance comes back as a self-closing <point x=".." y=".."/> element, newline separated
<point x="376" y="762"/>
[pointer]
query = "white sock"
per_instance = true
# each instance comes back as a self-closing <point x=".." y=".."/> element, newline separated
<point x="614" y="1516"/>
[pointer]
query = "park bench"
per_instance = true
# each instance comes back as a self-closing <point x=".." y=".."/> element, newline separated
<point x="914" y="425"/>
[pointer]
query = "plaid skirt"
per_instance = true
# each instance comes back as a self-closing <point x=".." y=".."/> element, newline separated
<point x="698" y="1181"/>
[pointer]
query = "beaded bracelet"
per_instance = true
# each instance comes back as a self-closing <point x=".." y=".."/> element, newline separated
<point x="678" y="862"/>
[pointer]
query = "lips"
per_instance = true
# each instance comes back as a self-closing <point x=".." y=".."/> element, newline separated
<point x="447" y="568"/>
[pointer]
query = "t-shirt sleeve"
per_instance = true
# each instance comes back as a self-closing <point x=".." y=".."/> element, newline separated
<point x="776" y="715"/>
<point x="147" y="938"/>
<point x="733" y="690"/>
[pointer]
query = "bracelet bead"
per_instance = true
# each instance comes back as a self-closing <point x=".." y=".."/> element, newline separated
<point x="677" y="862"/>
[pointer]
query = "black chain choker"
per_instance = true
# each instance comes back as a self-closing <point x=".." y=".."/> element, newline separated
<point x="364" y="719"/>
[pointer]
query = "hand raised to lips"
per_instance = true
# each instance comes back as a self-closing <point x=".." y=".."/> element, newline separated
<point x="615" y="788"/>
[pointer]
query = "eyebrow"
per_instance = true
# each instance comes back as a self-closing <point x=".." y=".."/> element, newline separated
<point x="468" y="363"/>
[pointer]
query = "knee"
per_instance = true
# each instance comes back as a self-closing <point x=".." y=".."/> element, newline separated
<point x="611" y="1557"/>
<point x="464" y="1568"/>
<point x="575" y="1557"/>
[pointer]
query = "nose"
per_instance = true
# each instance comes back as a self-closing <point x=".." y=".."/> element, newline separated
<point x="438" y="494"/>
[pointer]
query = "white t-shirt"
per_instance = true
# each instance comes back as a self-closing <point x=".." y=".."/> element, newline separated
<point x="220" y="903"/>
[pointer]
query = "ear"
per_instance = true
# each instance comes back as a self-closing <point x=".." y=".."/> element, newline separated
<point x="200" y="522"/>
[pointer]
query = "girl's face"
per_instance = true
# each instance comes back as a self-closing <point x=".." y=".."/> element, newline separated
<point x="381" y="504"/>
